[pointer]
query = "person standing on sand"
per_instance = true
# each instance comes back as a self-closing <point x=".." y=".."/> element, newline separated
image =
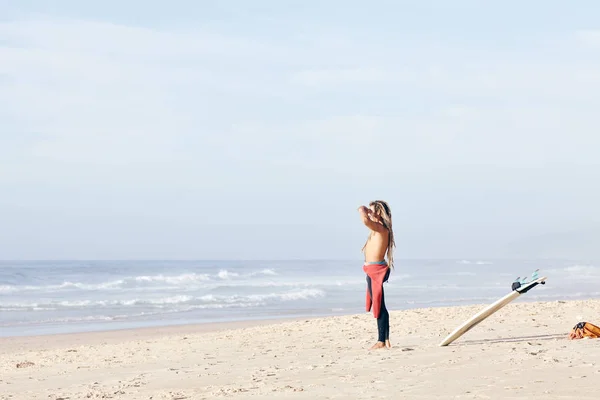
<point x="378" y="218"/>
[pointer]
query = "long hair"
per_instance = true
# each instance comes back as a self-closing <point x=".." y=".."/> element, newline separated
<point x="382" y="209"/>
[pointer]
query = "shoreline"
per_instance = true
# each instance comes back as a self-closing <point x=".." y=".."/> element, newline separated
<point x="158" y="327"/>
<point x="145" y="332"/>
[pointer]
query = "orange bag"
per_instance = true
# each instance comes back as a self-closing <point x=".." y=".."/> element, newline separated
<point x="585" y="330"/>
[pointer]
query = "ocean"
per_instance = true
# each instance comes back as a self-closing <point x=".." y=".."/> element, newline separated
<point x="47" y="297"/>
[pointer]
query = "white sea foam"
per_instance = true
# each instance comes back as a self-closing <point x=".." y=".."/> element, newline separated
<point x="295" y="295"/>
<point x="164" y="302"/>
<point x="8" y="288"/>
<point x="149" y="281"/>
<point x="469" y="262"/>
<point x="174" y="279"/>
<point x="265" y="271"/>
<point x="582" y="270"/>
<point x="577" y="271"/>
<point x="462" y="273"/>
<point x="224" y="274"/>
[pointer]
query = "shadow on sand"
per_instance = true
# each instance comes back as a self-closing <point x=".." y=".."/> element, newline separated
<point x="514" y="339"/>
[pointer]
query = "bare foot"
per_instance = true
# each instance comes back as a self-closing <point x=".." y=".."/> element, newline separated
<point x="378" y="345"/>
<point x="388" y="344"/>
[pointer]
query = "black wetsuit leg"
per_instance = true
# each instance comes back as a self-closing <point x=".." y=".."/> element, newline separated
<point x="383" y="322"/>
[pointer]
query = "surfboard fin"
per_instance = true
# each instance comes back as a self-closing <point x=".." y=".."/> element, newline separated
<point x="516" y="284"/>
<point x="534" y="276"/>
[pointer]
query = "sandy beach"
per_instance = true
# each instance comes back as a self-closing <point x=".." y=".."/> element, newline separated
<point x="520" y="352"/>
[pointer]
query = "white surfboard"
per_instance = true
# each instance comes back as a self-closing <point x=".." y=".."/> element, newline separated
<point x="489" y="310"/>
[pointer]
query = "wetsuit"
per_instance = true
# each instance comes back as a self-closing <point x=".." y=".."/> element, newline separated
<point x="377" y="274"/>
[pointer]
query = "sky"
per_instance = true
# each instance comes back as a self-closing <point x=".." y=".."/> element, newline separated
<point x="254" y="130"/>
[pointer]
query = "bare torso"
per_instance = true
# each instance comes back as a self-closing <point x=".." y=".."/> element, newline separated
<point x="376" y="246"/>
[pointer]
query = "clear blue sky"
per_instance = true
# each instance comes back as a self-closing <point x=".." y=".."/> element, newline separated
<point x="238" y="129"/>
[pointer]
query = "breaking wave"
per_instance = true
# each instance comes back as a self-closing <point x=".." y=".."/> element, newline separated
<point x="468" y="262"/>
<point x="183" y="280"/>
<point x="210" y="301"/>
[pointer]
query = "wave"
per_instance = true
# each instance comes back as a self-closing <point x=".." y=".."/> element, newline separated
<point x="462" y="273"/>
<point x="65" y="285"/>
<point x="173" y="280"/>
<point x="582" y="270"/>
<point x="210" y="300"/>
<point x="225" y="275"/>
<point x="89" y="318"/>
<point x="468" y="262"/>
<point x="577" y="271"/>
<point x="186" y="279"/>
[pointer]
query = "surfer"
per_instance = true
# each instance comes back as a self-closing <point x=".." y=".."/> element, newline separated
<point x="378" y="218"/>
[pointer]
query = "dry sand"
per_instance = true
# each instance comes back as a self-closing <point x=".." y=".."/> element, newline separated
<point x="518" y="353"/>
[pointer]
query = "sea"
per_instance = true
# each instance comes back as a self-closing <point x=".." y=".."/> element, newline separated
<point x="50" y="297"/>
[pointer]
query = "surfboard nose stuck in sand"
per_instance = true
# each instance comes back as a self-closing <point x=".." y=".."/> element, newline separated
<point x="519" y="288"/>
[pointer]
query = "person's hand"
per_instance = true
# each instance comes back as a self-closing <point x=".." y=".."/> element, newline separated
<point x="365" y="211"/>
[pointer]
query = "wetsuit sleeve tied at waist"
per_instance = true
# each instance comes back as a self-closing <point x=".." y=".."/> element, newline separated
<point x="378" y="274"/>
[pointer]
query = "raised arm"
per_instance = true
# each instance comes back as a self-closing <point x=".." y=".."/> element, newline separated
<point x="364" y="213"/>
